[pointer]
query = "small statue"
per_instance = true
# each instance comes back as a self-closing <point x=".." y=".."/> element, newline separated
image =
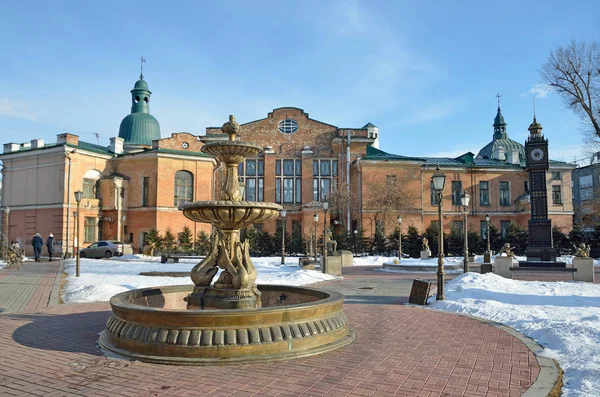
<point x="425" y="244"/>
<point x="508" y="250"/>
<point x="583" y="251"/>
<point x="331" y="244"/>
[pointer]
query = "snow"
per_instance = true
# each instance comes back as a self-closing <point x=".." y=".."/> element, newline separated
<point x="564" y="317"/>
<point x="102" y="278"/>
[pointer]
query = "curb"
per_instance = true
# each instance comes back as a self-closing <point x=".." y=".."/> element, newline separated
<point x="549" y="379"/>
<point x="53" y="300"/>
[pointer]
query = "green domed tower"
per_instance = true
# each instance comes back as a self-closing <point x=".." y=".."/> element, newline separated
<point x="139" y="128"/>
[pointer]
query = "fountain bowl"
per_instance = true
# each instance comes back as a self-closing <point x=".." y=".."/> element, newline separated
<point x="230" y="215"/>
<point x="153" y="325"/>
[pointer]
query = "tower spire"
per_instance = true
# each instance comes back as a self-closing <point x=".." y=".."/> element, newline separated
<point x="498" y="96"/>
<point x="533" y="98"/>
<point x="142" y="60"/>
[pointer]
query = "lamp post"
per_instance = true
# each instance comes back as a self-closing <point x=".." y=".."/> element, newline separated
<point x="356" y="242"/>
<point x="399" y="219"/>
<point x="487" y="257"/>
<point x="283" y="214"/>
<point x="123" y="223"/>
<point x="325" y="207"/>
<point x="464" y="200"/>
<point x="439" y="180"/>
<point x="316" y="219"/>
<point x="78" y="196"/>
<point x="6" y="240"/>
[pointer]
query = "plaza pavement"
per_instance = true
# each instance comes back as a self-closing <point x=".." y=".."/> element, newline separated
<point x="47" y="349"/>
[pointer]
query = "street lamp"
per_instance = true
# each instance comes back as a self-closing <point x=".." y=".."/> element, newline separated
<point x="399" y="219"/>
<point x="316" y="219"/>
<point x="123" y="217"/>
<point x="283" y="214"/>
<point x="439" y="180"/>
<point x="487" y="257"/>
<point x="356" y="242"/>
<point x="325" y="207"/>
<point x="464" y="200"/>
<point x="78" y="197"/>
<point x="6" y="240"/>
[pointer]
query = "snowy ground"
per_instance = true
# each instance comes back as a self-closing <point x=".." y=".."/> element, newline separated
<point x="564" y="317"/>
<point x="100" y="278"/>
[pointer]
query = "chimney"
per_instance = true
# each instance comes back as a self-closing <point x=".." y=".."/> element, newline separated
<point x="37" y="143"/>
<point x="116" y="145"/>
<point x="498" y="153"/>
<point x="513" y="157"/>
<point x="67" y="138"/>
<point x="11" y="147"/>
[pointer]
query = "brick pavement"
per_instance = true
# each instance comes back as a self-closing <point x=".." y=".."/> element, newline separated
<point x="399" y="351"/>
<point x="30" y="287"/>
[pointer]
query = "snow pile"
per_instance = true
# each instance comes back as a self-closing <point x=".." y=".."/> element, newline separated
<point x="564" y="317"/>
<point x="100" y="278"/>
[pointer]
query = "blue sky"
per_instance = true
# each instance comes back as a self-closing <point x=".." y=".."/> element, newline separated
<point x="426" y="73"/>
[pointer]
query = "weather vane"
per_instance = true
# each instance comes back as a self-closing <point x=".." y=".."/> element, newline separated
<point x="533" y="106"/>
<point x="142" y="67"/>
<point x="498" y="96"/>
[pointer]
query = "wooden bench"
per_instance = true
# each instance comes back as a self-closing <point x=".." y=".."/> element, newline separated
<point x="175" y="258"/>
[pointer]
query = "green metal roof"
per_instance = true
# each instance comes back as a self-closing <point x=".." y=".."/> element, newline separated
<point x="184" y="152"/>
<point x="139" y="129"/>
<point x="508" y="145"/>
<point x="141" y="85"/>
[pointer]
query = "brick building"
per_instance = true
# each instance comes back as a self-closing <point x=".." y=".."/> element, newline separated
<point x="306" y="160"/>
<point x="138" y="182"/>
<point x="135" y="184"/>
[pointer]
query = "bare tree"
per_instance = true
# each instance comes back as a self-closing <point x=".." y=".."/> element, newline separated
<point x="574" y="72"/>
<point x="386" y="199"/>
<point x="338" y="200"/>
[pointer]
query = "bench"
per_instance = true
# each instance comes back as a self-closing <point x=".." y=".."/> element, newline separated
<point x="175" y="258"/>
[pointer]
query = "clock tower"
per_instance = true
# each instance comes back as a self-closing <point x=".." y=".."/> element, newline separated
<point x="540" y="247"/>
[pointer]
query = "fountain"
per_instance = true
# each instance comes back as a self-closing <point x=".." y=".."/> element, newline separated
<point x="233" y="320"/>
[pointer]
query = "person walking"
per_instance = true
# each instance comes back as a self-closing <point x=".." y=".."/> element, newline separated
<point x="37" y="243"/>
<point x="50" y="245"/>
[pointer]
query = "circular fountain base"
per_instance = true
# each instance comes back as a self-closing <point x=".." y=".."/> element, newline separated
<point x="153" y="325"/>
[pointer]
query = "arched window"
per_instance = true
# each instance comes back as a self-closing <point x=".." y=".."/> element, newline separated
<point x="184" y="191"/>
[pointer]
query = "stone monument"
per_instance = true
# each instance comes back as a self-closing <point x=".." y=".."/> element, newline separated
<point x="583" y="264"/>
<point x="425" y="251"/>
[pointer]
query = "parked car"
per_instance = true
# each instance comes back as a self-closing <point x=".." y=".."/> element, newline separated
<point x="102" y="249"/>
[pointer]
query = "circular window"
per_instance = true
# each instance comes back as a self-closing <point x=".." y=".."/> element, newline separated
<point x="288" y="126"/>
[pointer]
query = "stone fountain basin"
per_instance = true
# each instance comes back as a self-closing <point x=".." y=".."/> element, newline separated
<point x="230" y="215"/>
<point x="231" y="149"/>
<point x="153" y="325"/>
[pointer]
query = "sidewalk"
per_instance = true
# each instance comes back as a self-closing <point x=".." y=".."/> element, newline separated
<point x="399" y="351"/>
<point x="33" y="286"/>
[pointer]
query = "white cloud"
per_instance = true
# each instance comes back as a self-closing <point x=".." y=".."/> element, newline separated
<point x="15" y="110"/>
<point x="538" y="91"/>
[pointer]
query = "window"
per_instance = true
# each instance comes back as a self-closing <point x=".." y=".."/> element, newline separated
<point x="556" y="194"/>
<point x="298" y="190"/>
<point x="288" y="126"/>
<point x="504" y="194"/>
<point x="483" y="230"/>
<point x="288" y="168"/>
<point x="89" y="188"/>
<point x="258" y="227"/>
<point x="526" y="186"/>
<point x="145" y="187"/>
<point x="504" y="226"/>
<point x="586" y="191"/>
<point x="288" y="188"/>
<point x="390" y="180"/>
<point x="324" y="181"/>
<point x="278" y="190"/>
<point x="484" y="193"/>
<point x="556" y="176"/>
<point x="184" y="193"/>
<point x="89" y="229"/>
<point x="252" y="175"/>
<point x="456" y="192"/>
<point x="433" y="196"/>
<point x="458" y="226"/>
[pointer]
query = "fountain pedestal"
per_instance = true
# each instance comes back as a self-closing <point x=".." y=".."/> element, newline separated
<point x="209" y="298"/>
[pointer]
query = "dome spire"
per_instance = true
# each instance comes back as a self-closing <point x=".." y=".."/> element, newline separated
<point x="499" y="123"/>
<point x="142" y="60"/>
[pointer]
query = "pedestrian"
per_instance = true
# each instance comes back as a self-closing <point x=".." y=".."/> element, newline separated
<point x="37" y="243"/>
<point x="50" y="245"/>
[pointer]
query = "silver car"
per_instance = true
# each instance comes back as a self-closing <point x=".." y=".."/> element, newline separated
<point x="102" y="249"/>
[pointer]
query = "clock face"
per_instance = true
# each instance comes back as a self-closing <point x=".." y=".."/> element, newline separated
<point x="537" y="154"/>
<point x="185" y="145"/>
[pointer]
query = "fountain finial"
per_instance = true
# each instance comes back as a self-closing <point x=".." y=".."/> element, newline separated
<point x="231" y="127"/>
